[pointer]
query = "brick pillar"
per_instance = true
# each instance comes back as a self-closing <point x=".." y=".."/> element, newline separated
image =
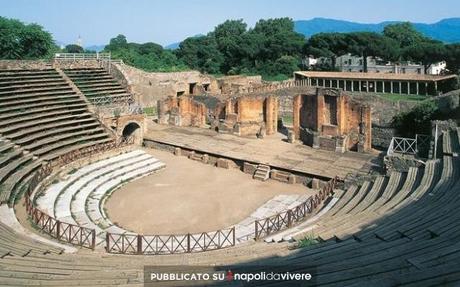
<point x="296" y="115"/>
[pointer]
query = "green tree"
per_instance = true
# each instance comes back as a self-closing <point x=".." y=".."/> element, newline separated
<point x="426" y="52"/>
<point x="403" y="33"/>
<point x="370" y="44"/>
<point x="21" y="41"/>
<point x="327" y="45"/>
<point x="201" y="53"/>
<point x="72" y="48"/>
<point x="229" y="37"/>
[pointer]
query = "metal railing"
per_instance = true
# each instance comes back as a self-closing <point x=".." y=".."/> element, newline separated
<point x="409" y="146"/>
<point x="82" y="56"/>
<point x="288" y="218"/>
<point x="62" y="231"/>
<point x="169" y="244"/>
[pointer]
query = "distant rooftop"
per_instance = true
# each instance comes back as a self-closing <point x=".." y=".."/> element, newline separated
<point x="375" y="76"/>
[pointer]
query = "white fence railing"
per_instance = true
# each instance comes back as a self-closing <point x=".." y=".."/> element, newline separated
<point x="82" y="56"/>
<point x="408" y="145"/>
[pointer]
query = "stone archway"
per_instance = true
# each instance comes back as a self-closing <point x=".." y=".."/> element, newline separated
<point x="133" y="129"/>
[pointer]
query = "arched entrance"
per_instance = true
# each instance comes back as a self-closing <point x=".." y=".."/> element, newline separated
<point x="134" y="130"/>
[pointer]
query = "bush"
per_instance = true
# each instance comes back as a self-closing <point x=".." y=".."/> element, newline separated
<point x="416" y="121"/>
<point x="307" y="241"/>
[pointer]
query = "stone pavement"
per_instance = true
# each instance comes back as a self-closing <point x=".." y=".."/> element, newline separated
<point x="272" y="150"/>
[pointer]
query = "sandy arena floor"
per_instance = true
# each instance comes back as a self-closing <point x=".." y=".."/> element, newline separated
<point x="188" y="196"/>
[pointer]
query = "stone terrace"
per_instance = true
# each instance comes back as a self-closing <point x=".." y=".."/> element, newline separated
<point x="275" y="151"/>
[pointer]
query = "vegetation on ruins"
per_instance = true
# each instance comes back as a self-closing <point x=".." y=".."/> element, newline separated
<point x="24" y="41"/>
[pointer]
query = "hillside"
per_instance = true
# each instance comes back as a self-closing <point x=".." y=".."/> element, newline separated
<point x="446" y="30"/>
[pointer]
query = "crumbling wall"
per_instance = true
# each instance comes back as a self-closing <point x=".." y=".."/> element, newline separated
<point x="182" y="111"/>
<point x="329" y="119"/>
<point x="247" y="116"/>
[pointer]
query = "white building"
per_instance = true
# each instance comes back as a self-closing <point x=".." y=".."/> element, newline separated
<point x="350" y="63"/>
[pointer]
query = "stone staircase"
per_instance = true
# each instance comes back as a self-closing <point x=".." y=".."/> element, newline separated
<point x="262" y="173"/>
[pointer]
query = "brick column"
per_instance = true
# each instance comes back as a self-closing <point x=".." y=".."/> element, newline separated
<point x="296" y="115"/>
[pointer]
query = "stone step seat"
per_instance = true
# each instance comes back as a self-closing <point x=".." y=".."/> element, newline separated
<point x="5" y="147"/>
<point x="63" y="201"/>
<point x="47" y="150"/>
<point x="344" y="198"/>
<point x="396" y="222"/>
<point x="351" y="223"/>
<point x="455" y="142"/>
<point x="362" y="193"/>
<point x="32" y="90"/>
<point x="303" y="228"/>
<point x="85" y="71"/>
<point x="83" y="79"/>
<point x="347" y="217"/>
<point x="8" y="169"/>
<point x="115" y="97"/>
<point x="437" y="276"/>
<point x="21" y="245"/>
<point x="103" y="91"/>
<point x="76" y="146"/>
<point x="17" y="130"/>
<point x="32" y="81"/>
<point x="8" y="156"/>
<point x="41" y="111"/>
<point x="36" y="105"/>
<point x="18" y="97"/>
<point x="45" y="114"/>
<point x="26" y="71"/>
<point x="89" y="86"/>
<point x="346" y="269"/>
<point x="92" y="125"/>
<point x="46" y="200"/>
<point x="94" y="201"/>
<point x="33" y="133"/>
<point x="395" y="184"/>
<point x="411" y="183"/>
<point x="17" y="179"/>
<point x="446" y="143"/>
<point x="438" y="196"/>
<point x="38" y="99"/>
<point x="78" y="206"/>
<point x="377" y="189"/>
<point x="356" y="217"/>
<point x="399" y="206"/>
<point x="61" y="135"/>
<point x="19" y="79"/>
<point x="141" y="164"/>
<point x="95" y="81"/>
<point x="28" y="85"/>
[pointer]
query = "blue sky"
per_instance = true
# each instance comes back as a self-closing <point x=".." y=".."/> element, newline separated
<point x="168" y="21"/>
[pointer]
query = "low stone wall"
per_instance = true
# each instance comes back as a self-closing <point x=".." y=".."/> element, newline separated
<point x="381" y="136"/>
<point x="25" y="64"/>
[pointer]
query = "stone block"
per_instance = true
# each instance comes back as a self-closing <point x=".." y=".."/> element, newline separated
<point x="178" y="151"/>
<point x="223" y="163"/>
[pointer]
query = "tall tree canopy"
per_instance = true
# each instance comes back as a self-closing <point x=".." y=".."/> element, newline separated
<point x="21" y="41"/>
<point x="404" y="33"/>
<point x="147" y="56"/>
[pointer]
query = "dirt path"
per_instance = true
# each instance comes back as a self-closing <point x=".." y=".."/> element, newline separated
<point x="188" y="196"/>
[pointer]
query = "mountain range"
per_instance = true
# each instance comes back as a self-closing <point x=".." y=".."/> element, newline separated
<point x="446" y="30"/>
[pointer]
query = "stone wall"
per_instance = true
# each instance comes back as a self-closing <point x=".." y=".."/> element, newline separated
<point x="331" y="120"/>
<point x="182" y="111"/>
<point x="151" y="87"/>
<point x="247" y="116"/>
<point x="25" y="64"/>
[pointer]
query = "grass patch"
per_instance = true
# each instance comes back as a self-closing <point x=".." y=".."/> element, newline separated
<point x="287" y="120"/>
<point x="308" y="240"/>
<point x="275" y="78"/>
<point x="150" y="111"/>
<point x="400" y="97"/>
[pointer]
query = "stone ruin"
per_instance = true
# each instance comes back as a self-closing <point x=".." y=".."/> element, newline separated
<point x="331" y="120"/>
<point x="182" y="111"/>
<point x="247" y="116"/>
